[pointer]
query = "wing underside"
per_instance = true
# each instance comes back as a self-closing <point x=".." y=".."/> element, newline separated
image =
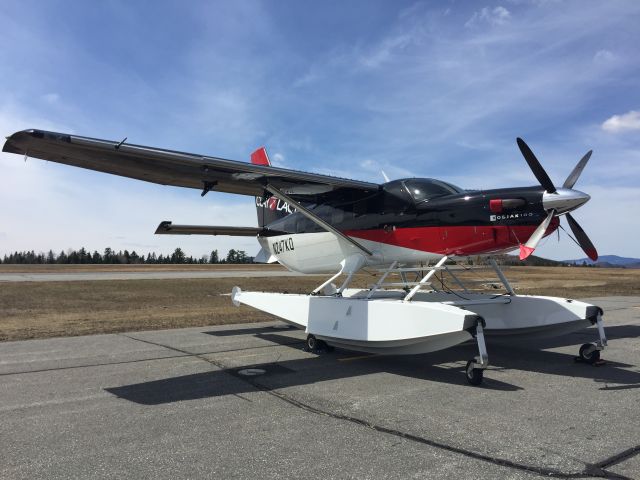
<point x="169" y="167"/>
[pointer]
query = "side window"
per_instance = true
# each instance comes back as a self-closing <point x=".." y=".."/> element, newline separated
<point x="396" y="197"/>
<point x="425" y="189"/>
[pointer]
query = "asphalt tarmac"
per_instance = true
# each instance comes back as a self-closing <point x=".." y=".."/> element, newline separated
<point x="177" y="404"/>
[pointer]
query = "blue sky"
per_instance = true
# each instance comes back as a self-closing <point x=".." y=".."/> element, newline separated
<point x="437" y="89"/>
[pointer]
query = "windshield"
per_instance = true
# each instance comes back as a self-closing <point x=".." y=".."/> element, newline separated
<point x="423" y="189"/>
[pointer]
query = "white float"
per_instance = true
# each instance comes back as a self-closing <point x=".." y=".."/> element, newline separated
<point x="411" y="321"/>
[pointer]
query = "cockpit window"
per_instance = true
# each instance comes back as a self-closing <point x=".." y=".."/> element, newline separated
<point x="423" y="189"/>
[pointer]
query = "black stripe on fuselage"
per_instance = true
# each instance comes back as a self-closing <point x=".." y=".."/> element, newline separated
<point x="349" y="210"/>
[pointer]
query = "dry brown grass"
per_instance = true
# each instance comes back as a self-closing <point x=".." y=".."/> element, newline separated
<point x="12" y="268"/>
<point x="49" y="309"/>
<point x="574" y="282"/>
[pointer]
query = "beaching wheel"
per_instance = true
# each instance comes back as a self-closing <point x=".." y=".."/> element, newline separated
<point x="589" y="353"/>
<point x="474" y="375"/>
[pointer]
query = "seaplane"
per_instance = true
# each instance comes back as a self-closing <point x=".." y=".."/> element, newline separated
<point x="406" y="228"/>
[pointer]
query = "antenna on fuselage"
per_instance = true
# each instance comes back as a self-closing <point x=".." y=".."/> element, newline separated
<point x="384" y="175"/>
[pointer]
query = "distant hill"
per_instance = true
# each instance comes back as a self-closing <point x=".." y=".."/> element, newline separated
<point x="533" y="260"/>
<point x="536" y="261"/>
<point x="608" y="261"/>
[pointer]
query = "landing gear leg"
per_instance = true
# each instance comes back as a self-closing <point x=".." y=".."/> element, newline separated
<point x="476" y="366"/>
<point x="590" y="352"/>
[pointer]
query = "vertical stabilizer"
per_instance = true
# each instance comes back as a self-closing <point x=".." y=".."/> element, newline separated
<point x="260" y="157"/>
<point x="269" y="209"/>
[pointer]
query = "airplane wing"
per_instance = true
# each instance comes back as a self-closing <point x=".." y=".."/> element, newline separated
<point x="168" y="167"/>
<point x="167" y="228"/>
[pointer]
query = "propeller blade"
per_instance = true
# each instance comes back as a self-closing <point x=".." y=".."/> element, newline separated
<point x="535" y="166"/>
<point x="528" y="248"/>
<point x="577" y="171"/>
<point x="582" y="238"/>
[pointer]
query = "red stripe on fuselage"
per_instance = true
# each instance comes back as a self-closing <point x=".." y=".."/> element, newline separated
<point x="463" y="240"/>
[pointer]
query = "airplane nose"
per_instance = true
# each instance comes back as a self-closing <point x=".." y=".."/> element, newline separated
<point x="564" y="200"/>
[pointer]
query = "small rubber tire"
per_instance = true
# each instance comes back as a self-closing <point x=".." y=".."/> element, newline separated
<point x="474" y="375"/>
<point x="311" y="343"/>
<point x="589" y="357"/>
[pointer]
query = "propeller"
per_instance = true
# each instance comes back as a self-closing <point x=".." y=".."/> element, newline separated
<point x="557" y="202"/>
<point x="577" y="171"/>
<point x="528" y="248"/>
<point x="582" y="238"/>
<point x="535" y="166"/>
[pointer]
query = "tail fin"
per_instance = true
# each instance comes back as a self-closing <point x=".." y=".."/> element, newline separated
<point x="269" y="209"/>
<point x="260" y="157"/>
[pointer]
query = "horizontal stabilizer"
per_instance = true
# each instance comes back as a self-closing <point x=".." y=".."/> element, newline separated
<point x="167" y="228"/>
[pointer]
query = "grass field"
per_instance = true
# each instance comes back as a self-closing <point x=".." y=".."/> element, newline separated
<point x="54" y="268"/>
<point x="49" y="309"/>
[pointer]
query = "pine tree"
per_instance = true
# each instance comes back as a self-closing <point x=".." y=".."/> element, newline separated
<point x="178" y="256"/>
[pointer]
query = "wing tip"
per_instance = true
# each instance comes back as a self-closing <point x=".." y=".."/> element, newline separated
<point x="164" y="227"/>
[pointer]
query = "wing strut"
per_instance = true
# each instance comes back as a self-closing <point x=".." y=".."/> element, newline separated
<point x="313" y="217"/>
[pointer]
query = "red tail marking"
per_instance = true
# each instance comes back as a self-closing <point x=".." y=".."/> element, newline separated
<point x="260" y="157"/>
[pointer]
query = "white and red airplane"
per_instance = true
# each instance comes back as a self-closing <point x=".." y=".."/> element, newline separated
<point x="315" y="223"/>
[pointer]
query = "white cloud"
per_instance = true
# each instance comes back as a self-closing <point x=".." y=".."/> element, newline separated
<point x="604" y="57"/>
<point x="51" y="98"/>
<point x="277" y="160"/>
<point x="623" y="123"/>
<point x="493" y="16"/>
<point x="306" y="79"/>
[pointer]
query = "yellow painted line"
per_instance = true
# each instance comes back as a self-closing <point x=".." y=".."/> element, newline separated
<point x="360" y="357"/>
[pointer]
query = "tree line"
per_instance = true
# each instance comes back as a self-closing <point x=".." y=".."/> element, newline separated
<point x="110" y="256"/>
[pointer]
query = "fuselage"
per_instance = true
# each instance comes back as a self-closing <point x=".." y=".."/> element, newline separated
<point x="406" y="220"/>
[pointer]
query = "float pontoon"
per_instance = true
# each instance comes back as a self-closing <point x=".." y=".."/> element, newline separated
<point x="413" y="317"/>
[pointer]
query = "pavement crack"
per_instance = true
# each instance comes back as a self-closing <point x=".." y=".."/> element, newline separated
<point x="549" y="472"/>
<point x="590" y="470"/>
<point x="619" y="458"/>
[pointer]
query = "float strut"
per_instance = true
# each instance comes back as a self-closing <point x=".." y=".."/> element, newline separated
<point x="602" y="341"/>
<point x="482" y="360"/>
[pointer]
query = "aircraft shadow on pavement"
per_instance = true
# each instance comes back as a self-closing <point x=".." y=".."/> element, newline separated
<point x="613" y="332"/>
<point x="285" y="374"/>
<point x="234" y="332"/>
<point x="433" y="367"/>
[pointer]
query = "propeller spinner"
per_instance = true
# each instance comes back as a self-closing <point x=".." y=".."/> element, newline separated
<point x="557" y="201"/>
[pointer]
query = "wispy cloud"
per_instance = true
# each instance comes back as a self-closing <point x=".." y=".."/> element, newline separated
<point x="493" y="16"/>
